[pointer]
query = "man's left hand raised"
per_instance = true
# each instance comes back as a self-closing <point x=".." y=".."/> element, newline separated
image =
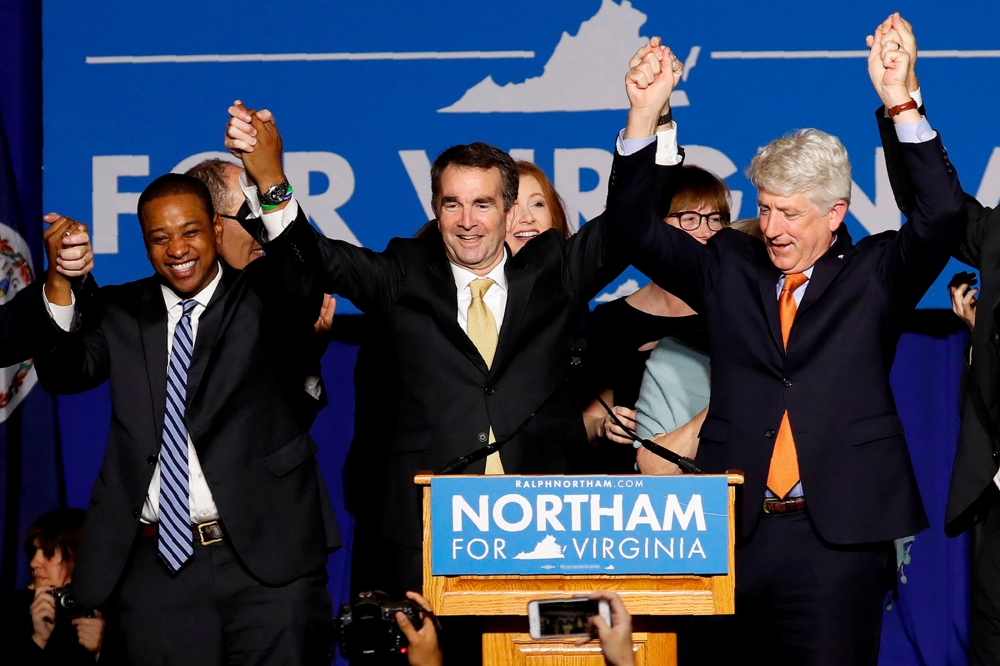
<point x="653" y="72"/>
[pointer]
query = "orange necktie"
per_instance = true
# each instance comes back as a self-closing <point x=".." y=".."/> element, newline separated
<point x="784" y="472"/>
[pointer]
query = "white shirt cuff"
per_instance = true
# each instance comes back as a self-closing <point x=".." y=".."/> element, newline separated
<point x="63" y="315"/>
<point x="915" y="132"/>
<point x="666" y="145"/>
<point x="312" y="387"/>
<point x="628" y="147"/>
<point x="277" y="220"/>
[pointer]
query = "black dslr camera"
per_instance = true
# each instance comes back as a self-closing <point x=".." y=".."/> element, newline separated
<point x="367" y="631"/>
<point x="66" y="604"/>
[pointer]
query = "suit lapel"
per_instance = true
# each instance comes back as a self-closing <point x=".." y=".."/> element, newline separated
<point x="827" y="268"/>
<point x="444" y="300"/>
<point x="152" y="319"/>
<point x="213" y="320"/>
<point x="767" y="281"/>
<point x="520" y="281"/>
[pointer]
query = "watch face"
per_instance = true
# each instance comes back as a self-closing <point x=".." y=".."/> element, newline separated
<point x="275" y="194"/>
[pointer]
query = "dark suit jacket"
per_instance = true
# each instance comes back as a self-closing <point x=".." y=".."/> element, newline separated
<point x="834" y="378"/>
<point x="17" y="336"/>
<point x="979" y="246"/>
<point x="244" y="384"/>
<point x="448" y="398"/>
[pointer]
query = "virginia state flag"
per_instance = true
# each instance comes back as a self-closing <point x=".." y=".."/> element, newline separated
<point x="31" y="480"/>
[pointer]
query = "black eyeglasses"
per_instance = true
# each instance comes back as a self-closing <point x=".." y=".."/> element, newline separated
<point x="691" y="220"/>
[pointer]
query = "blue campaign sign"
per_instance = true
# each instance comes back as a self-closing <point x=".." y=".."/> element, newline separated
<point x="580" y="525"/>
<point x="368" y="93"/>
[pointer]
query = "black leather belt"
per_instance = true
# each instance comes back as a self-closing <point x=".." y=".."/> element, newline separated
<point x="204" y="534"/>
<point x="789" y="505"/>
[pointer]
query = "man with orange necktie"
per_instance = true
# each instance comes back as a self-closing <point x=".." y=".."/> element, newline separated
<point x="803" y="330"/>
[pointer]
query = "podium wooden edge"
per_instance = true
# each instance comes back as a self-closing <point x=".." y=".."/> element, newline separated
<point x="662" y="595"/>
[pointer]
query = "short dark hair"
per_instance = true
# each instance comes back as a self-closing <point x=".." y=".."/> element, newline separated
<point x="175" y="184"/>
<point x="698" y="187"/>
<point x="60" y="530"/>
<point x="213" y="174"/>
<point x="477" y="155"/>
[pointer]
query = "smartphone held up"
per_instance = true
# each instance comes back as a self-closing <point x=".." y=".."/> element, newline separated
<point x="565" y="618"/>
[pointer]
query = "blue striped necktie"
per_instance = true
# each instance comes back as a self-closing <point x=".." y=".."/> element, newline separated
<point x="175" y="541"/>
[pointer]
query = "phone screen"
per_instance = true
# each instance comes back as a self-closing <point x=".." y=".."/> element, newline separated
<point x="566" y="618"/>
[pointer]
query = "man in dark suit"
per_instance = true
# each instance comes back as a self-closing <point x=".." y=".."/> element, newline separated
<point x="974" y="497"/>
<point x="436" y="295"/>
<point x="206" y="526"/>
<point x="805" y="410"/>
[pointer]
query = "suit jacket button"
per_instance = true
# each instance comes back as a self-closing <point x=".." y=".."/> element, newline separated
<point x="483" y="437"/>
<point x="135" y="513"/>
<point x="769" y="433"/>
<point x="151" y="459"/>
<point x="490" y="390"/>
<point x="787" y="382"/>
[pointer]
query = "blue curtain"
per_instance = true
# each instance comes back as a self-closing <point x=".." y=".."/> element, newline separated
<point x="929" y="623"/>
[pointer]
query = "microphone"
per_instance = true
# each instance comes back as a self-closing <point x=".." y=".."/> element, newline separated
<point x="576" y="348"/>
<point x="686" y="465"/>
<point x="459" y="464"/>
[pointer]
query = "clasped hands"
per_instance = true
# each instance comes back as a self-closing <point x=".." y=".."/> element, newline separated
<point x="253" y="137"/>
<point x="892" y="63"/>
<point x="67" y="246"/>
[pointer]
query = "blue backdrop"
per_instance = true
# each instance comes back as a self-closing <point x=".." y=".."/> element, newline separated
<point x="366" y="94"/>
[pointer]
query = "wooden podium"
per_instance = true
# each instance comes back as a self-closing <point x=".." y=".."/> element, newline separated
<point x="503" y="601"/>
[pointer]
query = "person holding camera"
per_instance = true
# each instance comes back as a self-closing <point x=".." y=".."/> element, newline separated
<point x="42" y="624"/>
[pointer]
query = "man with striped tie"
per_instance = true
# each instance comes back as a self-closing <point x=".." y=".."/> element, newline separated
<point x="803" y="327"/>
<point x="206" y="530"/>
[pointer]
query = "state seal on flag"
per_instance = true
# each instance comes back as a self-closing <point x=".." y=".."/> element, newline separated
<point x="16" y="273"/>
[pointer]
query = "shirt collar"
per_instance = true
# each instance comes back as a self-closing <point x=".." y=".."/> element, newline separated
<point x="171" y="299"/>
<point x="464" y="276"/>
<point x="809" y="271"/>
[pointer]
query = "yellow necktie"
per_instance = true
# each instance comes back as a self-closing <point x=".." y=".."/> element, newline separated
<point x="483" y="333"/>
<point x="784" y="472"/>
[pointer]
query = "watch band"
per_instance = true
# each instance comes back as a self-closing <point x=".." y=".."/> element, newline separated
<point x="267" y="208"/>
<point x="899" y="108"/>
<point x="666" y="118"/>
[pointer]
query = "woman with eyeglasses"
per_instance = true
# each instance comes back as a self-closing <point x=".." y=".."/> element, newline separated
<point x="623" y="333"/>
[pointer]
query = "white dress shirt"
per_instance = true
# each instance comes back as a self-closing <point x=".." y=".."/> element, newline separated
<point x="202" y="505"/>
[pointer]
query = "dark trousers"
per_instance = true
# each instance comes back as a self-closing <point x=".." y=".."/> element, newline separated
<point x="803" y="602"/>
<point x="214" y="612"/>
<point x="984" y="615"/>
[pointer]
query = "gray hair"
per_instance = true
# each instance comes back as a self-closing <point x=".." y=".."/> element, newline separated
<point x="213" y="174"/>
<point x="807" y="160"/>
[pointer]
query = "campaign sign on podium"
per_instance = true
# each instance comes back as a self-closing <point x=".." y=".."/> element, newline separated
<point x="581" y="525"/>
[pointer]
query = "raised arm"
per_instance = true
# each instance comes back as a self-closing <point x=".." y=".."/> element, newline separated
<point x="367" y="278"/>
<point x="977" y="217"/>
<point x="71" y="353"/>
<point x="922" y="247"/>
<point x="671" y="258"/>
